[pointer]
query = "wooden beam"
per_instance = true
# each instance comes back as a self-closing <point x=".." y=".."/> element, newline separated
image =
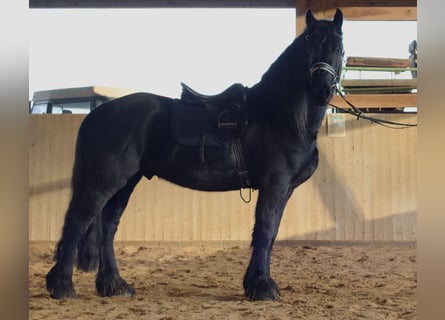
<point x="355" y="10"/>
<point x="380" y="13"/>
<point x="377" y="100"/>
<point x="361" y="14"/>
<point x="332" y="4"/>
<point x="161" y="3"/>
<point x="378" y="83"/>
<point x="377" y="62"/>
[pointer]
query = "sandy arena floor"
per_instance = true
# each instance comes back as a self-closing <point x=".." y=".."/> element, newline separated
<point x="206" y="283"/>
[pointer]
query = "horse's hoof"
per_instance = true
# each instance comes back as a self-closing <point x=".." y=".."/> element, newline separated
<point x="261" y="289"/>
<point x="61" y="294"/>
<point x="59" y="287"/>
<point x="108" y="286"/>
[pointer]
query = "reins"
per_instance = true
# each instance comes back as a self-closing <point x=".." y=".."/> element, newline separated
<point x="323" y="66"/>
<point x="360" y="114"/>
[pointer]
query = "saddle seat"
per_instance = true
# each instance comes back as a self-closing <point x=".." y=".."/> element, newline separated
<point x="192" y="96"/>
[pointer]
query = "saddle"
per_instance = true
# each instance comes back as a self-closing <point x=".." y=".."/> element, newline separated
<point x="212" y="121"/>
<point x="226" y="115"/>
<point x="235" y="90"/>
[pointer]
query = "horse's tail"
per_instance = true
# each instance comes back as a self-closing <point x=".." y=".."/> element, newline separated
<point x="88" y="252"/>
<point x="88" y="248"/>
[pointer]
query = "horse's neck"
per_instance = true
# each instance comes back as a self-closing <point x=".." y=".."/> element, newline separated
<point x="305" y="117"/>
<point x="283" y="91"/>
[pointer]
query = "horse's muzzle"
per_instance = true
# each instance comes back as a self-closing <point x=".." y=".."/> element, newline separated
<point x="322" y="89"/>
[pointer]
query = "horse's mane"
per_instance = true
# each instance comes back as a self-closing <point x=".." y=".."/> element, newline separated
<point x="282" y="87"/>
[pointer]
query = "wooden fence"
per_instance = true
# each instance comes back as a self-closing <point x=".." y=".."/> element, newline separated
<point x="364" y="189"/>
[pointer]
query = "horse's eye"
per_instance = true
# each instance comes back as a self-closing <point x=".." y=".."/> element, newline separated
<point x="307" y="37"/>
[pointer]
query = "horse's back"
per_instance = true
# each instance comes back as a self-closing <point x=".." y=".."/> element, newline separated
<point x="128" y="109"/>
<point x="124" y="128"/>
<point x="125" y="115"/>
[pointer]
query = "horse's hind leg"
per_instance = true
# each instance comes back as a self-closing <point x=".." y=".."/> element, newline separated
<point x="109" y="281"/>
<point x="80" y="214"/>
<point x="92" y="190"/>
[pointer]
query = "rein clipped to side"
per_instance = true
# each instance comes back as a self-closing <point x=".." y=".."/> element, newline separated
<point x="360" y="115"/>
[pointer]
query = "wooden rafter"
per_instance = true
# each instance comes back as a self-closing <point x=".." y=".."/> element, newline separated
<point x="365" y="10"/>
<point x="161" y="3"/>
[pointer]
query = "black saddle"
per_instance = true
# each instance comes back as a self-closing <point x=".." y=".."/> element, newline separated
<point x="203" y="120"/>
<point x="190" y="95"/>
<point x="211" y="120"/>
<point x="226" y="114"/>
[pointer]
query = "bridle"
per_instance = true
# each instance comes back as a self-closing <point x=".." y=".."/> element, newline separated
<point x="335" y="74"/>
<point x="323" y="66"/>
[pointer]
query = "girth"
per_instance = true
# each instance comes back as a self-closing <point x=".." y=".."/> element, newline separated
<point x="213" y="121"/>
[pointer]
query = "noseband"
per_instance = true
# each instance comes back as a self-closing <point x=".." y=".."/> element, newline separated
<point x="324" y="67"/>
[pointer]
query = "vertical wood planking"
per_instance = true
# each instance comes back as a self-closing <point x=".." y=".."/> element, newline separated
<point x="364" y="189"/>
<point x="338" y="206"/>
<point x="51" y="155"/>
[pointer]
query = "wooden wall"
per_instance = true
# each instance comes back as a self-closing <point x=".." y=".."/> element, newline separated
<point x="364" y="189"/>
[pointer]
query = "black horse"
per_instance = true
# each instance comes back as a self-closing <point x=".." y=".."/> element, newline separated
<point x="131" y="137"/>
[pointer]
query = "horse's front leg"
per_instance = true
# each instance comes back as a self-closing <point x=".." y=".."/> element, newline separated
<point x="258" y="284"/>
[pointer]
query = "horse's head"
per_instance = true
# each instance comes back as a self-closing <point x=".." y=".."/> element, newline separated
<point x="325" y="51"/>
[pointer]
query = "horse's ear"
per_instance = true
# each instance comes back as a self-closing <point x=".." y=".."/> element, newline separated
<point x="310" y="19"/>
<point x="338" y="19"/>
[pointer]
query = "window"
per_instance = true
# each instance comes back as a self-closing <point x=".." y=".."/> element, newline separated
<point x="75" y="107"/>
<point x="380" y="39"/>
<point x="40" y="108"/>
